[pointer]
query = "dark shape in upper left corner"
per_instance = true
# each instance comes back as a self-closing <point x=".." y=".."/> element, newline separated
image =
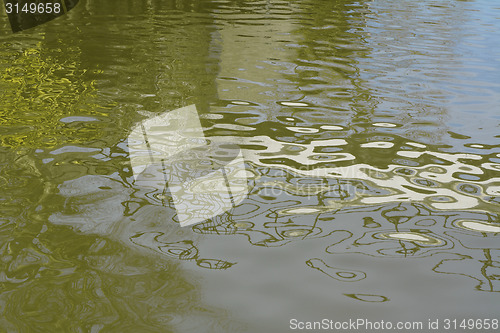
<point x="22" y="16"/>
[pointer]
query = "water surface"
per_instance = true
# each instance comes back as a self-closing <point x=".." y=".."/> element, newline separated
<point x="371" y="136"/>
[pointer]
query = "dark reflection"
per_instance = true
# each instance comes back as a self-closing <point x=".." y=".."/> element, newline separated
<point x="336" y="273"/>
<point x="70" y="92"/>
<point x="368" y="297"/>
<point x="183" y="250"/>
<point x="28" y="14"/>
<point x="87" y="283"/>
<point x="332" y="42"/>
<point x="78" y="83"/>
<point x="484" y="269"/>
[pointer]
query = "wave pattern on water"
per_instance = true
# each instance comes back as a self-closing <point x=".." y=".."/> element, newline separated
<point x="369" y="129"/>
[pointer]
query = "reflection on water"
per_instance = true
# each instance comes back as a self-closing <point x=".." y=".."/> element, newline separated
<point x="370" y="139"/>
<point x="205" y="179"/>
<point x="368" y="298"/>
<point x="335" y="273"/>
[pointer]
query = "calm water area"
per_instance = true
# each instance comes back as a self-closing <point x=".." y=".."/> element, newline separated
<point x="370" y="132"/>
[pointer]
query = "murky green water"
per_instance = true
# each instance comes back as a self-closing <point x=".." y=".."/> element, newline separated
<point x="370" y="131"/>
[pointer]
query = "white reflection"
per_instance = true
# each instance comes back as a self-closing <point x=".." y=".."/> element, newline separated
<point x="377" y="144"/>
<point x="479" y="226"/>
<point x="206" y="176"/>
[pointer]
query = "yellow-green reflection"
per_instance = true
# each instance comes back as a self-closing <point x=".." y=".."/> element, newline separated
<point x="371" y="133"/>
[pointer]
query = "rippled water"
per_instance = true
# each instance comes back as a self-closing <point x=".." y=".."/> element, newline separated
<point x="370" y="131"/>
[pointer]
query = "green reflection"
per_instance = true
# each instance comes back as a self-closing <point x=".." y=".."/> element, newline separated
<point x="367" y="129"/>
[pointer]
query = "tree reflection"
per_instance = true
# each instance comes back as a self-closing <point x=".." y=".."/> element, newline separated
<point x="69" y="95"/>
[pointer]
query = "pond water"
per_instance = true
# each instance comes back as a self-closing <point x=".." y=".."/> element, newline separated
<point x="371" y="137"/>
